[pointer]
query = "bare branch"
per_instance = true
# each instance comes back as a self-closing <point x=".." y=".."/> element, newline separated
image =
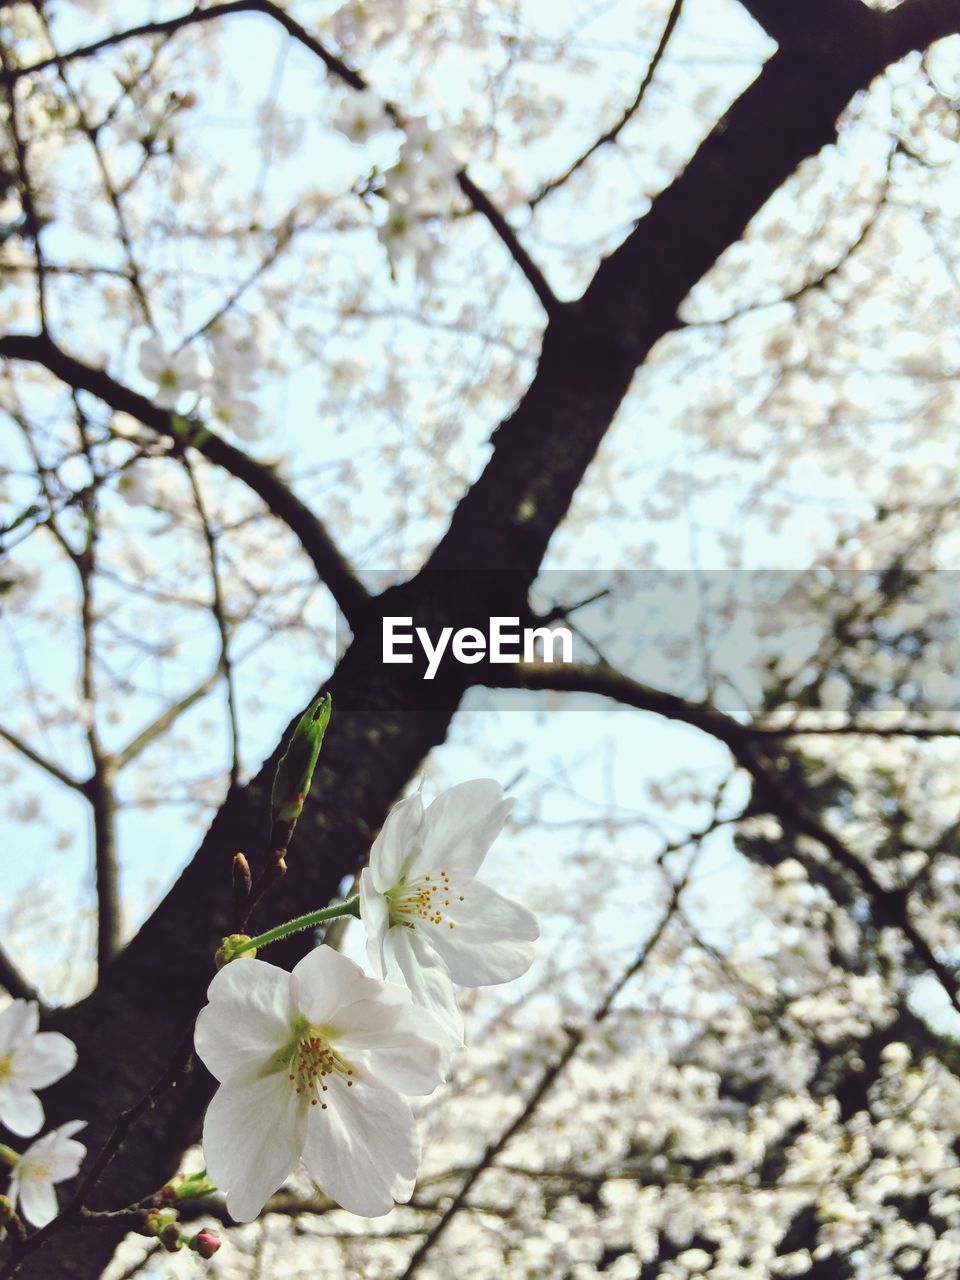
<point x="613" y="133"/>
<point x="218" y="608"/>
<point x="163" y="722"/>
<point x="889" y="906"/>
<point x="48" y="766"/>
<point x="13" y="981"/>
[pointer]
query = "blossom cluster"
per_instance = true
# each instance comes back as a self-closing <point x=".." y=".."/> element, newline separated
<point x="417" y="183"/>
<point x="31" y="1059"/>
<point x="222" y="383"/>
<point x="316" y="1065"/>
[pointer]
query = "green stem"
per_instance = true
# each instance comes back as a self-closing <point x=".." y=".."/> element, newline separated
<point x="8" y="1156"/>
<point x="349" y="908"/>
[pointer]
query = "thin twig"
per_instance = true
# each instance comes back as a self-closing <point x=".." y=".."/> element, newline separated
<point x="219" y="610"/>
<point x="614" y="132"/>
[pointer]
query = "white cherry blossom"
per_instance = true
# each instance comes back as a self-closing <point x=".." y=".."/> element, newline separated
<point x="53" y="1158"/>
<point x="310" y="1065"/>
<point x="172" y="374"/>
<point x="429" y="921"/>
<point x="361" y="116"/>
<point x="30" y="1059"/>
<point x="404" y="235"/>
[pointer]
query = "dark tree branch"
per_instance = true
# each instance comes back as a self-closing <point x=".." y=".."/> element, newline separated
<point x="813" y="23"/>
<point x="331" y="567"/>
<point x="613" y="133"/>
<point x="890" y="907"/>
<point x="916" y="24"/>
<point x="13" y="981"/>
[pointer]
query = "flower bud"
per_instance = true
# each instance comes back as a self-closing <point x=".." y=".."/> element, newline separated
<point x="242" y="881"/>
<point x="232" y="947"/>
<point x="7" y="1210"/>
<point x="157" y="1221"/>
<point x="205" y="1242"/>
<point x="193" y="1184"/>
<point x="170" y="1238"/>
<point x="295" y="770"/>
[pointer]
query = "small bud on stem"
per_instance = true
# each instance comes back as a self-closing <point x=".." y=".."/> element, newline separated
<point x="242" y="884"/>
<point x="295" y="770"/>
<point x="205" y="1243"/>
<point x="229" y="949"/>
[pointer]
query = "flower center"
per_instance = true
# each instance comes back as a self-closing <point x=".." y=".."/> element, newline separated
<point x="423" y="899"/>
<point x="314" y="1059"/>
<point x="6" y="1066"/>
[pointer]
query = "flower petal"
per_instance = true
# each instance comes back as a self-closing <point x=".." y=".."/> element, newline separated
<point x="363" y="1150"/>
<point x="18" y="1022"/>
<point x="398" y="840"/>
<point x="253" y="1135"/>
<point x="46" y="1058"/>
<point x="398" y="1048"/>
<point x="325" y="981"/>
<point x="491" y="938"/>
<point x="38" y="1200"/>
<point x="250" y="1015"/>
<point x="459" y="828"/>
<point x="411" y="960"/>
<point x="375" y="914"/>
<point x="152" y="358"/>
<point x="20" y="1109"/>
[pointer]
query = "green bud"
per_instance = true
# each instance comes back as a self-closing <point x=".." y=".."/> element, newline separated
<point x="230" y="948"/>
<point x="193" y="1184"/>
<point x="295" y="770"/>
<point x="7" y="1210"/>
<point x="157" y="1221"/>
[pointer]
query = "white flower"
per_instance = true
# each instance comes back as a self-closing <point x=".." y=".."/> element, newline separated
<point x="429" y="922"/>
<point x="240" y="416"/>
<point x="53" y="1158"/>
<point x="172" y="374"/>
<point x="309" y="1065"/>
<point x="29" y="1060"/>
<point x="405" y="235"/>
<point x="362" y="116"/>
<point x="234" y="356"/>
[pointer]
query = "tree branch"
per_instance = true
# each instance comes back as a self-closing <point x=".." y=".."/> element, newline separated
<point x="13" y="981"/>
<point x="163" y="721"/>
<point x="331" y="567"/>
<point x="54" y="770"/>
<point x="614" y="132"/>
<point x="889" y="906"/>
